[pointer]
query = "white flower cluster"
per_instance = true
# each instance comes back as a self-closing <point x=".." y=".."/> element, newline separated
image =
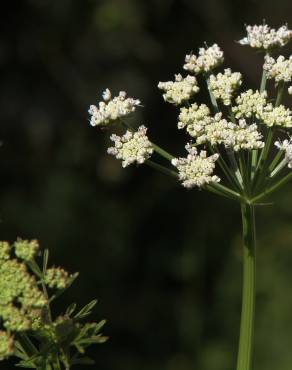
<point x="217" y="130"/>
<point x="182" y="89"/>
<point x="207" y="60"/>
<point x="279" y="69"/>
<point x="276" y="116"/>
<point x="286" y="145"/>
<point x="196" y="169"/>
<point x="250" y="103"/>
<point x="223" y="85"/>
<point x="194" y="118"/>
<point x="109" y="110"/>
<point x="265" y="37"/>
<point x="246" y="136"/>
<point x="132" y="147"/>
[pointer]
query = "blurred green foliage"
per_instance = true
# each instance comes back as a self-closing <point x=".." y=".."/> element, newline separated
<point x="165" y="263"/>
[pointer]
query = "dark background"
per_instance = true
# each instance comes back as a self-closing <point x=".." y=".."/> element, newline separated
<point x="164" y="262"/>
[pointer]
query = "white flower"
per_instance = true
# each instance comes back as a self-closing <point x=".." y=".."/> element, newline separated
<point x="223" y="85"/>
<point x="194" y="118"/>
<point x="290" y="90"/>
<point x="110" y="109"/>
<point x="246" y="136"/>
<point x="106" y="95"/>
<point x="250" y="103"/>
<point x="196" y="169"/>
<point x="207" y="60"/>
<point x="286" y="145"/>
<point x="279" y="69"/>
<point x="131" y="147"/>
<point x="265" y="37"/>
<point x="182" y="89"/>
<point x="276" y="116"/>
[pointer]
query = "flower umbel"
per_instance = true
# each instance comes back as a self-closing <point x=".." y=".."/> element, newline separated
<point x="224" y="85"/>
<point x="279" y="69"/>
<point x="110" y="110"/>
<point x="179" y="91"/>
<point x="265" y="37"/>
<point x="197" y="168"/>
<point x="206" y="61"/>
<point x="132" y="147"/>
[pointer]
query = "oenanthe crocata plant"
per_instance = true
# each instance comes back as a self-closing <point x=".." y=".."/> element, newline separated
<point x="235" y="131"/>
<point x="28" y="329"/>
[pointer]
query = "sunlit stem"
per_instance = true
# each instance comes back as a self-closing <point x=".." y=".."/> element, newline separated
<point x="276" y="160"/>
<point x="245" y="350"/>
<point x="280" y="166"/>
<point x="272" y="188"/>
<point x="223" y="191"/>
<point x="212" y="97"/>
<point x="263" y="81"/>
<point x="280" y="93"/>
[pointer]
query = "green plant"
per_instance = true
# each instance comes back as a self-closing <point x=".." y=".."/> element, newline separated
<point x="29" y="331"/>
<point x="237" y="132"/>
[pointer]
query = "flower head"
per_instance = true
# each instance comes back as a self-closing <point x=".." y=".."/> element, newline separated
<point x="276" y="116"/>
<point x="111" y="109"/>
<point x="286" y="145"/>
<point x="207" y="60"/>
<point x="58" y="278"/>
<point x="250" y="103"/>
<point x="265" y="37"/>
<point x="132" y="147"/>
<point x="279" y="69"/>
<point x="182" y="89"/>
<point x="26" y="249"/>
<point x="223" y="85"/>
<point x="19" y="292"/>
<point x="194" y="118"/>
<point x="196" y="169"/>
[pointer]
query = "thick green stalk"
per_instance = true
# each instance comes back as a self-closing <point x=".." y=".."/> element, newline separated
<point x="245" y="351"/>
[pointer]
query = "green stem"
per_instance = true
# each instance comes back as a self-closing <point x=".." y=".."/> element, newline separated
<point x="223" y="191"/>
<point x="272" y="189"/>
<point x="161" y="168"/>
<point x="212" y="97"/>
<point x="280" y="93"/>
<point x="263" y="81"/>
<point x="162" y="152"/>
<point x="245" y="351"/>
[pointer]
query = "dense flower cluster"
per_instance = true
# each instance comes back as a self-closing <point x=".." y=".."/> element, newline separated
<point x="279" y="69"/>
<point x="58" y="278"/>
<point x="19" y="291"/>
<point x="179" y="91"/>
<point x="224" y="85"/>
<point x="217" y="130"/>
<point x="249" y="104"/>
<point x="132" y="147"/>
<point x="286" y="145"/>
<point x="26" y="249"/>
<point x="276" y="116"/>
<point x="265" y="37"/>
<point x="207" y="60"/>
<point x="197" y="168"/>
<point x="112" y="109"/>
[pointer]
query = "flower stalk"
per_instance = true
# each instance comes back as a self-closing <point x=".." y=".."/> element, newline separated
<point x="245" y="350"/>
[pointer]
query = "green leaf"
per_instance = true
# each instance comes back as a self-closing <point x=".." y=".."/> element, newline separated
<point x="86" y="310"/>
